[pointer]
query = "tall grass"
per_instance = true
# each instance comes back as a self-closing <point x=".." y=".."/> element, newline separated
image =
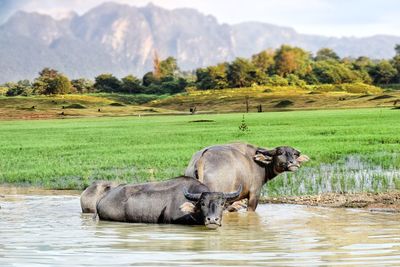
<point x="350" y="150"/>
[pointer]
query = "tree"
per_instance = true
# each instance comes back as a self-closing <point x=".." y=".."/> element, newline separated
<point x="396" y="63"/>
<point x="363" y="63"/>
<point x="383" y="72"/>
<point x="156" y="65"/>
<point x="263" y="60"/>
<point x="213" y="77"/>
<point x="168" y="67"/>
<point x="326" y="54"/>
<point x="171" y="85"/>
<point x="292" y="60"/>
<point x="83" y="85"/>
<point x="149" y="79"/>
<point x="295" y="80"/>
<point x="277" y="80"/>
<point x="332" y="71"/>
<point x="60" y="84"/>
<point x="23" y="87"/>
<point x="131" y="85"/>
<point x="397" y="49"/>
<point x="239" y="73"/>
<point x="107" y="83"/>
<point x="50" y="81"/>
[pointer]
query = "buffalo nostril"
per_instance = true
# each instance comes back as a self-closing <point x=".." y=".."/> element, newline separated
<point x="216" y="219"/>
<point x="208" y="219"/>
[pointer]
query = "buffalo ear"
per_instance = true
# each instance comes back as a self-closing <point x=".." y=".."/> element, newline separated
<point x="260" y="158"/>
<point x="302" y="158"/>
<point x="188" y="207"/>
<point x="264" y="156"/>
<point x="266" y="152"/>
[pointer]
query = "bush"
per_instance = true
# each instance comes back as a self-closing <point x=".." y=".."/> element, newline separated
<point x="76" y="106"/>
<point x="326" y="88"/>
<point x="277" y="80"/>
<point x="295" y="80"/>
<point x="115" y="104"/>
<point x="356" y="88"/>
<point x="3" y="90"/>
<point x="361" y="88"/>
<point x="284" y="103"/>
<point x="22" y="87"/>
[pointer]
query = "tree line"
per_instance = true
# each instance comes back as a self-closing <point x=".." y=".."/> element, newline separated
<point x="285" y="66"/>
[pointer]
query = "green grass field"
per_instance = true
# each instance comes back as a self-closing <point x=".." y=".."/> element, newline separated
<point x="350" y="150"/>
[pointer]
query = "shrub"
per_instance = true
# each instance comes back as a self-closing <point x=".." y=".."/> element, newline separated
<point x="76" y="106"/>
<point x="361" y="88"/>
<point x="295" y="80"/>
<point x="284" y="103"/>
<point x="277" y="80"/>
<point x="357" y="88"/>
<point x="116" y="104"/>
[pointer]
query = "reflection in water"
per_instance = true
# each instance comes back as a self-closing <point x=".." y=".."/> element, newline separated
<point x="51" y="231"/>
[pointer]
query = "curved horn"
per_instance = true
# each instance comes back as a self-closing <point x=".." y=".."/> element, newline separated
<point x="231" y="196"/>
<point x="191" y="196"/>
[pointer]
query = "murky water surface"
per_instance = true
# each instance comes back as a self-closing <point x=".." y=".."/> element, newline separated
<point x="49" y="230"/>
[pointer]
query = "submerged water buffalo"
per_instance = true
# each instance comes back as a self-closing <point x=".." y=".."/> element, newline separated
<point x="93" y="193"/>
<point x="182" y="200"/>
<point x="224" y="167"/>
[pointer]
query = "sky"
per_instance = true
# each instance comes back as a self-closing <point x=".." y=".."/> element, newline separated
<point x="323" y="17"/>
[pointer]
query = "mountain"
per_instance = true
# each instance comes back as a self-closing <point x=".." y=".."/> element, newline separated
<point x="255" y="36"/>
<point x="122" y="39"/>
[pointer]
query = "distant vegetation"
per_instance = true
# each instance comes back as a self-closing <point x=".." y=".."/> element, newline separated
<point x="285" y="66"/>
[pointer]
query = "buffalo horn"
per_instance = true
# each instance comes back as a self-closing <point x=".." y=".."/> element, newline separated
<point x="232" y="195"/>
<point x="191" y="196"/>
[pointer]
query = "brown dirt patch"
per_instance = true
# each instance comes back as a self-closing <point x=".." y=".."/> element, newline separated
<point x="387" y="202"/>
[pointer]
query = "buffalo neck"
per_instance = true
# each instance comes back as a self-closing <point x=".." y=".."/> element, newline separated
<point x="269" y="172"/>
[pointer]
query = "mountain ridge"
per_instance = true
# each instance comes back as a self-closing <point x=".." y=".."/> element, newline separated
<point x="122" y="39"/>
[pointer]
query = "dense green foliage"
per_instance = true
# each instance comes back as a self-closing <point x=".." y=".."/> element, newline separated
<point x="294" y="66"/>
<point x="285" y="66"/>
<point x="52" y="82"/>
<point x="72" y="153"/>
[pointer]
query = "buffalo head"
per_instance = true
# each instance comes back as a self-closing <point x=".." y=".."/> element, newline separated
<point x="283" y="158"/>
<point x="211" y="205"/>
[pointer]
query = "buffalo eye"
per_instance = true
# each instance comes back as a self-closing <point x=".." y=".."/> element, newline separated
<point x="279" y="152"/>
<point x="203" y="204"/>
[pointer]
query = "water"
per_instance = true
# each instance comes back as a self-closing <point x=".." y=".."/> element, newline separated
<point x="49" y="230"/>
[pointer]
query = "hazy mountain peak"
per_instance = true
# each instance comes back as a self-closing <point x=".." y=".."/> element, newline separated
<point x="122" y="39"/>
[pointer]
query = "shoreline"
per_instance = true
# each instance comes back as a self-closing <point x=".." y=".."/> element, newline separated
<point x="375" y="202"/>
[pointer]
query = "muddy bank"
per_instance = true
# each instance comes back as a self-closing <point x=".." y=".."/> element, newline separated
<point x="388" y="202"/>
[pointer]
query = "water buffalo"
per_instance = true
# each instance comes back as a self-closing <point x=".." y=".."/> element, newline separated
<point x="224" y="167"/>
<point x="93" y="193"/>
<point x="182" y="200"/>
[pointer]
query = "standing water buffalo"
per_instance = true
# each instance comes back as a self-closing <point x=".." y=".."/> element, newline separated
<point x="224" y="167"/>
<point x="93" y="193"/>
<point x="183" y="200"/>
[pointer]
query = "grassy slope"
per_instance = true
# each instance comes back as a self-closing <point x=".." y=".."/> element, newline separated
<point x="346" y="147"/>
<point x="233" y="100"/>
<point x="51" y="106"/>
<point x="210" y="101"/>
